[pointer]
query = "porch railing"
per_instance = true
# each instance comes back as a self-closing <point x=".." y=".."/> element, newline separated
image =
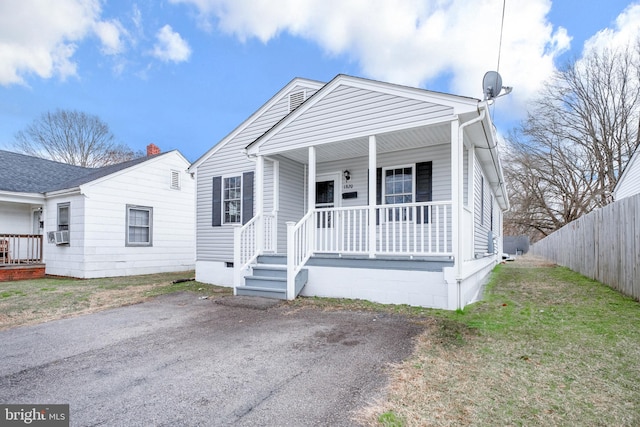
<point x="407" y="229"/>
<point x="257" y="235"/>
<point x="20" y="249"/>
<point x="300" y="245"/>
<point x="401" y="229"/>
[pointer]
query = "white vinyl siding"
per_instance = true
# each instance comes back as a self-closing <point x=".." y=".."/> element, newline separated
<point x="98" y="223"/>
<point x="216" y="243"/>
<point x="484" y="201"/>
<point x="292" y="195"/>
<point x="350" y="112"/>
<point x="629" y="184"/>
<point x="16" y="218"/>
<point x="439" y="155"/>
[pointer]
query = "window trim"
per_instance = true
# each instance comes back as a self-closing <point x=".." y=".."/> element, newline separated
<point x="223" y="200"/>
<point x="66" y="205"/>
<point x="127" y="217"/>
<point x="413" y="182"/>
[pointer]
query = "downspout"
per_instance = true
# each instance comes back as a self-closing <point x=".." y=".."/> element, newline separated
<point x="460" y="203"/>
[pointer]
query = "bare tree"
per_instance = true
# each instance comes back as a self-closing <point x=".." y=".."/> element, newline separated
<point x="72" y="137"/>
<point x="565" y="159"/>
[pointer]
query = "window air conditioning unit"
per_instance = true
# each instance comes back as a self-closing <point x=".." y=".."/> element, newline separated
<point x="58" y="237"/>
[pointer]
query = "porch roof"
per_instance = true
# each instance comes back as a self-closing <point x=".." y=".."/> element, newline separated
<point x="405" y="139"/>
<point x="363" y="107"/>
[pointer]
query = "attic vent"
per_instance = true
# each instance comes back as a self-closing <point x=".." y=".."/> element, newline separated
<point x="175" y="180"/>
<point x="295" y="99"/>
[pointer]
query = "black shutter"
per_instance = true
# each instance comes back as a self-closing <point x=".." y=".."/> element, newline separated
<point x="247" y="197"/>
<point x="216" y="208"/>
<point x="424" y="186"/>
<point x="378" y="193"/>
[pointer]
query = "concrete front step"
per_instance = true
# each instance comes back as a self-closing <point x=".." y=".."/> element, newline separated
<point x="266" y="282"/>
<point x="269" y="278"/>
<point x="266" y="292"/>
<point x="270" y="270"/>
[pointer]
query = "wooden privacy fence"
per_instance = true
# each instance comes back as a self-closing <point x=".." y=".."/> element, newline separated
<point x="603" y="245"/>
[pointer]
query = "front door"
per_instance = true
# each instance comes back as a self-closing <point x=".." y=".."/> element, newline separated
<point x="326" y="189"/>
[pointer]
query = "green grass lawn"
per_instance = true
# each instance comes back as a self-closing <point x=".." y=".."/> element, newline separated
<point x="547" y="347"/>
<point x="32" y="301"/>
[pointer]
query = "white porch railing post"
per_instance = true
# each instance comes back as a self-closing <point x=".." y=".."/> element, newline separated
<point x="291" y="262"/>
<point x="372" y="196"/>
<point x="237" y="257"/>
<point x="260" y="204"/>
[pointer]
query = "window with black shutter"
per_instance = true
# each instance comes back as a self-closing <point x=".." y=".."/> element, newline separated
<point x="232" y="199"/>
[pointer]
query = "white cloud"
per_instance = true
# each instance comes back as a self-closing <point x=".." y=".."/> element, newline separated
<point x="170" y="46"/>
<point x="411" y="42"/>
<point x="110" y="34"/>
<point x="625" y="33"/>
<point x="40" y="37"/>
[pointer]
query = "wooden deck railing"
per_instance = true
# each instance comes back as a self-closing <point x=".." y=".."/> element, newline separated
<point x="20" y="249"/>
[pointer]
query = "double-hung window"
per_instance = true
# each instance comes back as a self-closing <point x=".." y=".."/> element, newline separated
<point x="63" y="216"/>
<point x="398" y="187"/>
<point x="232" y="200"/>
<point x="139" y="226"/>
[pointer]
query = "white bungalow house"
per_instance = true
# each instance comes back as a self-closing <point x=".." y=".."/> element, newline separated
<point x="357" y="189"/>
<point x="135" y="217"/>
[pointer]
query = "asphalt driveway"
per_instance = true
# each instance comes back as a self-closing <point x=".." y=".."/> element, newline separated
<point x="180" y="360"/>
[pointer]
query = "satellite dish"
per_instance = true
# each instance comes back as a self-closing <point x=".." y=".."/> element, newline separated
<point x="491" y="85"/>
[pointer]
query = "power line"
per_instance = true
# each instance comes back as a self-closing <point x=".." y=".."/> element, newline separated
<point x="504" y="5"/>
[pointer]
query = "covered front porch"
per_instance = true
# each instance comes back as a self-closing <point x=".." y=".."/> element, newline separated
<point x="386" y="197"/>
<point x="21" y="257"/>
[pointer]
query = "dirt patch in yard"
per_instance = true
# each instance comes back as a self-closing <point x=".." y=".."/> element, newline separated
<point x="529" y="260"/>
<point x="30" y="302"/>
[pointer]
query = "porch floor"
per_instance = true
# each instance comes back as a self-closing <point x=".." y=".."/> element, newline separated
<point x="423" y="263"/>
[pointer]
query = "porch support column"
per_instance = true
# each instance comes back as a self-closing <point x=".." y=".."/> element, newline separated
<point x="456" y="196"/>
<point x="373" y="153"/>
<point x="260" y="203"/>
<point x="311" y="204"/>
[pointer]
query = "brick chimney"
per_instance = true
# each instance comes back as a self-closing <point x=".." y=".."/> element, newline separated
<point x="152" y="149"/>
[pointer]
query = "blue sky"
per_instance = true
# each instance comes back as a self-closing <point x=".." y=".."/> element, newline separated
<point x="184" y="73"/>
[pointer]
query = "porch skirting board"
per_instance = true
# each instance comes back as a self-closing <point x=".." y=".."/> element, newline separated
<point x="9" y="273"/>
<point x="214" y="273"/>
<point x="416" y="288"/>
<point x="474" y="278"/>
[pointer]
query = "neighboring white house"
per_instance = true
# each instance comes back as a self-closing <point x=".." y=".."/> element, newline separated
<point x="131" y="218"/>
<point x="629" y="182"/>
<point x="406" y="191"/>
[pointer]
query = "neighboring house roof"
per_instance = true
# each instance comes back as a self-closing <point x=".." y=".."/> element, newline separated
<point x="27" y="174"/>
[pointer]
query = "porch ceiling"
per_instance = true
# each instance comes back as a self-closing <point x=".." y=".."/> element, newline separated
<point x="387" y="142"/>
